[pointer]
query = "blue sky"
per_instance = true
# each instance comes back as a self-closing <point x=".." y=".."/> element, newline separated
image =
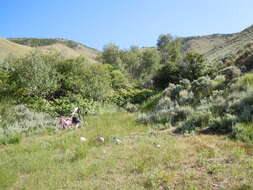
<point x="123" y="22"/>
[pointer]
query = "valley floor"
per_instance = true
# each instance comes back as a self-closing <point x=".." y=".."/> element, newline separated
<point x="146" y="159"/>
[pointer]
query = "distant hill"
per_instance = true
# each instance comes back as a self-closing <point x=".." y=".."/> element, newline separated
<point x="214" y="47"/>
<point x="218" y="46"/>
<point x="67" y="48"/>
<point x="203" y="44"/>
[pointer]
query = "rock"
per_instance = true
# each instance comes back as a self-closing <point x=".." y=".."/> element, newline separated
<point x="116" y="140"/>
<point x="157" y="145"/>
<point x="83" y="139"/>
<point x="100" y="139"/>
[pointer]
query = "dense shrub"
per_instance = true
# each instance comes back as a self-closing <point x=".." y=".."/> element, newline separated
<point x="202" y="87"/>
<point x="218" y="83"/>
<point x="63" y="105"/>
<point x="135" y="96"/>
<point x="19" y="120"/>
<point x="34" y="75"/>
<point x="243" y="132"/>
<point x="244" y="82"/>
<point x="231" y="73"/>
<point x="169" y="73"/>
<point x="198" y="120"/>
<point x="119" y="80"/>
<point x="194" y="66"/>
<point x="151" y="102"/>
<point x="223" y="124"/>
<point x="131" y="107"/>
<point x="78" y="76"/>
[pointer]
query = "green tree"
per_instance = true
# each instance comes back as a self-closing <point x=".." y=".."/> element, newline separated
<point x="149" y="63"/>
<point x="78" y="76"/>
<point x="169" y="73"/>
<point x="97" y="83"/>
<point x="169" y="48"/>
<point x="34" y="75"/>
<point x="119" y="80"/>
<point x="194" y="66"/>
<point x="111" y="55"/>
<point x="131" y="60"/>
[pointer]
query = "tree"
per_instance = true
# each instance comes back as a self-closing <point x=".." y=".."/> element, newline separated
<point x="169" y="73"/>
<point x="169" y="48"/>
<point x="131" y="61"/>
<point x="111" y="55"/>
<point x="149" y="62"/>
<point x="78" y="76"/>
<point x="34" y="75"/>
<point x="119" y="80"/>
<point x="194" y="66"/>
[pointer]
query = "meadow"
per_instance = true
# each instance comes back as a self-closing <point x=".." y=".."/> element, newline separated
<point x="146" y="159"/>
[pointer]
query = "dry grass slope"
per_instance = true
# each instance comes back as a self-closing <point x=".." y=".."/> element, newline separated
<point x="10" y="48"/>
<point x="67" y="48"/>
<point x="218" y="46"/>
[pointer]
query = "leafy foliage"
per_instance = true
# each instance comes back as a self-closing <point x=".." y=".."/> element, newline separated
<point x="34" y="75"/>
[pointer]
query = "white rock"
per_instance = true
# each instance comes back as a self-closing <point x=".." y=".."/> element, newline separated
<point x="83" y="139"/>
<point x="157" y="145"/>
<point x="100" y="139"/>
<point x="116" y="140"/>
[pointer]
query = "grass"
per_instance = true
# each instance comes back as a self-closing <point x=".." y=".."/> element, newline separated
<point x="9" y="47"/>
<point x="60" y="161"/>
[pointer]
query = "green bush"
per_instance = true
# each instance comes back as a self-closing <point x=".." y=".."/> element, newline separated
<point x="197" y="121"/>
<point x="131" y="107"/>
<point x="119" y="80"/>
<point x="78" y="76"/>
<point x="16" y="121"/>
<point x="135" y="96"/>
<point x="34" y="75"/>
<point x="62" y="106"/>
<point x="202" y="87"/>
<point x="231" y="73"/>
<point x="246" y="80"/>
<point x="243" y="132"/>
<point x="223" y="124"/>
<point x="150" y="103"/>
<point x="194" y="66"/>
<point x="169" y="73"/>
<point x="218" y="83"/>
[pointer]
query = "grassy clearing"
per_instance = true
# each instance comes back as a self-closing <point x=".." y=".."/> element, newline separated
<point x="60" y="161"/>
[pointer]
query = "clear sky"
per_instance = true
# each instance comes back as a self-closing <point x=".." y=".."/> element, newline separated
<point x="123" y="22"/>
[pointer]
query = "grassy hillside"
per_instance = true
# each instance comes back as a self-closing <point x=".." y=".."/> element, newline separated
<point x="146" y="159"/>
<point x="67" y="48"/>
<point x="232" y="45"/>
<point x="10" y="48"/>
<point x="218" y="46"/>
<point x="214" y="47"/>
<point x="203" y="44"/>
